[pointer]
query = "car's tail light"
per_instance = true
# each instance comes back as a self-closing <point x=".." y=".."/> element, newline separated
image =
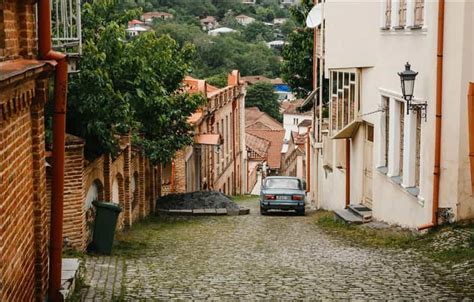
<point x="297" y="197"/>
<point x="270" y="197"/>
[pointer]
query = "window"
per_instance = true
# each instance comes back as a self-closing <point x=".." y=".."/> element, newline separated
<point x="370" y="133"/>
<point x="295" y="121"/>
<point x="327" y="151"/>
<point x="227" y="134"/>
<point x="388" y="13"/>
<point x="282" y="183"/>
<point x="387" y="127"/>
<point x="344" y="98"/>
<point x="341" y="153"/>
<point x="419" y="10"/>
<point x="402" y="13"/>
<point x="217" y="157"/>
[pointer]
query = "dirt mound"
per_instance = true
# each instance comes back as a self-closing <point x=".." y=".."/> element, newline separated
<point x="196" y="200"/>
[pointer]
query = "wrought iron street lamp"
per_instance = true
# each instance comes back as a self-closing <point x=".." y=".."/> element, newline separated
<point x="407" y="79"/>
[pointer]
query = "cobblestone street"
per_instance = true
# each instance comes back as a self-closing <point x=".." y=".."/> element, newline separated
<point x="261" y="257"/>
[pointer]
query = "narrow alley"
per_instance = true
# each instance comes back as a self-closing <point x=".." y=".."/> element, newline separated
<point x="258" y="257"/>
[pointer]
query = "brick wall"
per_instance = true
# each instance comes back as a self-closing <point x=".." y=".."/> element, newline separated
<point x="74" y="193"/>
<point x="106" y="173"/>
<point x="23" y="225"/>
<point x="17" y="29"/>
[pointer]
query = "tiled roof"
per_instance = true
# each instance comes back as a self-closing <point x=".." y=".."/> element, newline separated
<point x="275" y="137"/>
<point x="257" y="144"/>
<point x="305" y="123"/>
<point x="256" y="119"/>
<point x="299" y="139"/>
<point x="255" y="79"/>
<point x="208" y="19"/>
<point x="155" y="15"/>
<point x="292" y="107"/>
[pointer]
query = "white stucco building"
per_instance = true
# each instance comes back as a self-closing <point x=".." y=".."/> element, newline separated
<point x="391" y="149"/>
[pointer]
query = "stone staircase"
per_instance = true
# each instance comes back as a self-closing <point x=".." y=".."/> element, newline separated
<point x="355" y="214"/>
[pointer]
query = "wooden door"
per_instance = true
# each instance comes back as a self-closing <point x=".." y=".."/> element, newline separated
<point x="368" y="164"/>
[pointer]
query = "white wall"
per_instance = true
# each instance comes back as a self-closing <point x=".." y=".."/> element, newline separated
<point x="289" y="121"/>
<point x="354" y="40"/>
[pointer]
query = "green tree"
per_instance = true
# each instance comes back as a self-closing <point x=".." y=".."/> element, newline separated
<point x="263" y="96"/>
<point x="218" y="80"/>
<point x="257" y="31"/>
<point x="297" y="68"/>
<point x="130" y="86"/>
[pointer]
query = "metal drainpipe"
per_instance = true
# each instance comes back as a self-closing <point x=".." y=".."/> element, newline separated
<point x="308" y="160"/>
<point x="439" y="111"/>
<point x="470" y="106"/>
<point x="46" y="52"/>
<point x="234" y="106"/>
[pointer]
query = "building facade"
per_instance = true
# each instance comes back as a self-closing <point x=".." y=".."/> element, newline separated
<point x="376" y="151"/>
<point x="24" y="230"/>
<point x="216" y="159"/>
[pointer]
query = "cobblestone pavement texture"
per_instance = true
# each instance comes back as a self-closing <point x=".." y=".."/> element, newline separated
<point x="253" y="257"/>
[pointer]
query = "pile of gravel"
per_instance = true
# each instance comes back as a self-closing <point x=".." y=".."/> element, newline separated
<point x="196" y="200"/>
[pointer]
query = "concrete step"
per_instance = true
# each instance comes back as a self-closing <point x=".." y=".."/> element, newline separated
<point x="347" y="216"/>
<point x="364" y="212"/>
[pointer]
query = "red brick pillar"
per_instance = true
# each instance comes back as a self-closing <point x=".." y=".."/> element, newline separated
<point x="180" y="172"/>
<point x="107" y="178"/>
<point x="141" y="185"/>
<point x="40" y="202"/>
<point x="74" y="228"/>
<point x="127" y="174"/>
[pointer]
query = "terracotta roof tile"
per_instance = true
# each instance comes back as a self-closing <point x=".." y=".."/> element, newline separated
<point x="275" y="137"/>
<point x="292" y="107"/>
<point x="257" y="144"/>
<point x="256" y="119"/>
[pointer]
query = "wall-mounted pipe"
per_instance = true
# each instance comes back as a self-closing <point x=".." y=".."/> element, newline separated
<point x="439" y="111"/>
<point x="46" y="52"/>
<point x="470" y="110"/>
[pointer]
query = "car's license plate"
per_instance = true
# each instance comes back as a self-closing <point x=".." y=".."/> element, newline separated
<point x="283" y="197"/>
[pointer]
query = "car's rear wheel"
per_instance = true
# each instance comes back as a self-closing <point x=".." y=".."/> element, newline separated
<point x="263" y="211"/>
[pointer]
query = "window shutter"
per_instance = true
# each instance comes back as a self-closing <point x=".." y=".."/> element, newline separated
<point x="388" y="13"/>
<point x="419" y="8"/>
<point x="402" y="13"/>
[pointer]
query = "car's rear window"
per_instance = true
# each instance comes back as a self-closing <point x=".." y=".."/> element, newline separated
<point x="282" y="183"/>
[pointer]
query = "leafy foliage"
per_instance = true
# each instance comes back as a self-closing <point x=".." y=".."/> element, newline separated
<point x="263" y="96"/>
<point x="129" y="87"/>
<point x="218" y="80"/>
<point x="297" y="68"/>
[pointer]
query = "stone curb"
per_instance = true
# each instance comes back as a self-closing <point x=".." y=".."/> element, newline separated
<point x="204" y="212"/>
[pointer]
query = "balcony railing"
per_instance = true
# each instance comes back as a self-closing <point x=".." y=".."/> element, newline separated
<point x="66" y="29"/>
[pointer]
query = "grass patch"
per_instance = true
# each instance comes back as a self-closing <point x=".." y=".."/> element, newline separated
<point x="399" y="239"/>
<point x="243" y="198"/>
<point x="370" y="237"/>
<point x="455" y="255"/>
<point x="132" y="242"/>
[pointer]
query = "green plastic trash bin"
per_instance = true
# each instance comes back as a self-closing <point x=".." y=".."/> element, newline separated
<point x="104" y="226"/>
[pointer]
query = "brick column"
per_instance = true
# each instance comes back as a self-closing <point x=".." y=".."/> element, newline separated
<point x="180" y="172"/>
<point x="41" y="226"/>
<point x="107" y="178"/>
<point x="127" y="209"/>
<point x="74" y="193"/>
<point x="141" y="185"/>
